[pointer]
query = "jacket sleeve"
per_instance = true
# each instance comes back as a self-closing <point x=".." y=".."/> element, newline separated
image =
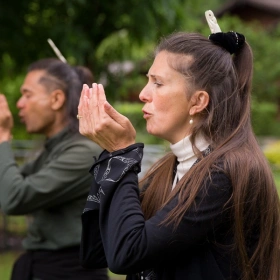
<point x="92" y="253"/>
<point x="56" y="182"/>
<point x="132" y="244"/>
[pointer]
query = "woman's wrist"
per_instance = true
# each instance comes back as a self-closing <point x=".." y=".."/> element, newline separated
<point x="121" y="147"/>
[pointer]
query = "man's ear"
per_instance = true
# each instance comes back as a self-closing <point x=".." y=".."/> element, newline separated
<point x="199" y="101"/>
<point x="57" y="99"/>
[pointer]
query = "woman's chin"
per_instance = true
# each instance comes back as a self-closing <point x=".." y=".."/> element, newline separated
<point x="153" y="132"/>
<point x="150" y="131"/>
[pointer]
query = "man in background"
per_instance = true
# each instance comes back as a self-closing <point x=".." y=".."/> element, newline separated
<point x="51" y="189"/>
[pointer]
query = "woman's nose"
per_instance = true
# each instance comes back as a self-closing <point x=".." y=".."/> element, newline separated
<point x="144" y="95"/>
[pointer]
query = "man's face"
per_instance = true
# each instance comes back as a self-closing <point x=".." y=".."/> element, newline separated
<point x="34" y="105"/>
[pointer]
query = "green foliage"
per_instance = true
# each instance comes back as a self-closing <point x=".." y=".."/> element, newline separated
<point x="277" y="180"/>
<point x="272" y="153"/>
<point x="91" y="33"/>
<point x="99" y="34"/>
<point x="79" y="27"/>
<point x="265" y="44"/>
<point x="264" y="119"/>
<point x="15" y="224"/>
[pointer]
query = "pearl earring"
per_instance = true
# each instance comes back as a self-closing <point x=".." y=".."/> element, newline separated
<point x="191" y="121"/>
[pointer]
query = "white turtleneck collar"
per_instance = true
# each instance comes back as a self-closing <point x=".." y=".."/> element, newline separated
<point x="185" y="155"/>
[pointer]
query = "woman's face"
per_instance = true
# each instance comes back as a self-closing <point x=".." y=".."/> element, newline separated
<point x="166" y="108"/>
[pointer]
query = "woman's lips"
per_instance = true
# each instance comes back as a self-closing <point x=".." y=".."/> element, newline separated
<point x="146" y="114"/>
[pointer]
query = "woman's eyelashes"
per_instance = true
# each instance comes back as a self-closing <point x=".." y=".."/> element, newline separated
<point x="153" y="79"/>
<point x="157" y="83"/>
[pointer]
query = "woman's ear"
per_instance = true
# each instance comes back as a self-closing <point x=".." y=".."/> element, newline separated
<point x="199" y="101"/>
<point x="57" y="99"/>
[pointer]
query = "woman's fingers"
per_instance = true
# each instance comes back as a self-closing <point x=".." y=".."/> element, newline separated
<point x="115" y="115"/>
<point x="100" y="117"/>
<point x="101" y="123"/>
<point x="101" y="94"/>
<point x="93" y="103"/>
<point x="121" y="127"/>
<point x="82" y="97"/>
<point x="85" y="122"/>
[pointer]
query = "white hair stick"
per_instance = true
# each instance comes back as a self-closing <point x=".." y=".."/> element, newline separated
<point x="57" y="51"/>
<point x="212" y="22"/>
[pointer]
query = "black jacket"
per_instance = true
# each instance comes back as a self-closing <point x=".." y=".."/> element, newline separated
<point x="115" y="233"/>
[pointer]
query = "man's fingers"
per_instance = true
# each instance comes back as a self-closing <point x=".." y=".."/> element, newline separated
<point x="3" y="100"/>
<point x="4" y="106"/>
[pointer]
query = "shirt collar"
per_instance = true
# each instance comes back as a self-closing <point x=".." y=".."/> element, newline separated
<point x="51" y="142"/>
<point x="183" y="149"/>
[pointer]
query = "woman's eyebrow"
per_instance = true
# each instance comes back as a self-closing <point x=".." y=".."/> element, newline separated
<point x="152" y="75"/>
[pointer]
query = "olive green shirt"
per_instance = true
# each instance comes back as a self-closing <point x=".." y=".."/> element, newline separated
<point x="52" y="189"/>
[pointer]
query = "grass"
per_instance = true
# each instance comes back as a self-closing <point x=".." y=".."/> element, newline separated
<point x="116" y="277"/>
<point x="7" y="259"/>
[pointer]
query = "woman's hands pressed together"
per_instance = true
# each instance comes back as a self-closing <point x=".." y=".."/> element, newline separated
<point x="101" y="123"/>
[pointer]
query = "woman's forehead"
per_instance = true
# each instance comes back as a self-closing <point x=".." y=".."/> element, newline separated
<point x="166" y="64"/>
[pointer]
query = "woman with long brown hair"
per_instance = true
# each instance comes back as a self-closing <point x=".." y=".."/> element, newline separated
<point x="209" y="209"/>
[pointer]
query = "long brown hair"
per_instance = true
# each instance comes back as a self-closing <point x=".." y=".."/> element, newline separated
<point x="226" y="123"/>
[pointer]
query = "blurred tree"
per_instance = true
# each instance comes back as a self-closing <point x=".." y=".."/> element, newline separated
<point x="265" y="46"/>
<point x="78" y="27"/>
<point x="92" y="33"/>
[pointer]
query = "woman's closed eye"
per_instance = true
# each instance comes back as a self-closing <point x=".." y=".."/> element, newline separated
<point x="158" y="84"/>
